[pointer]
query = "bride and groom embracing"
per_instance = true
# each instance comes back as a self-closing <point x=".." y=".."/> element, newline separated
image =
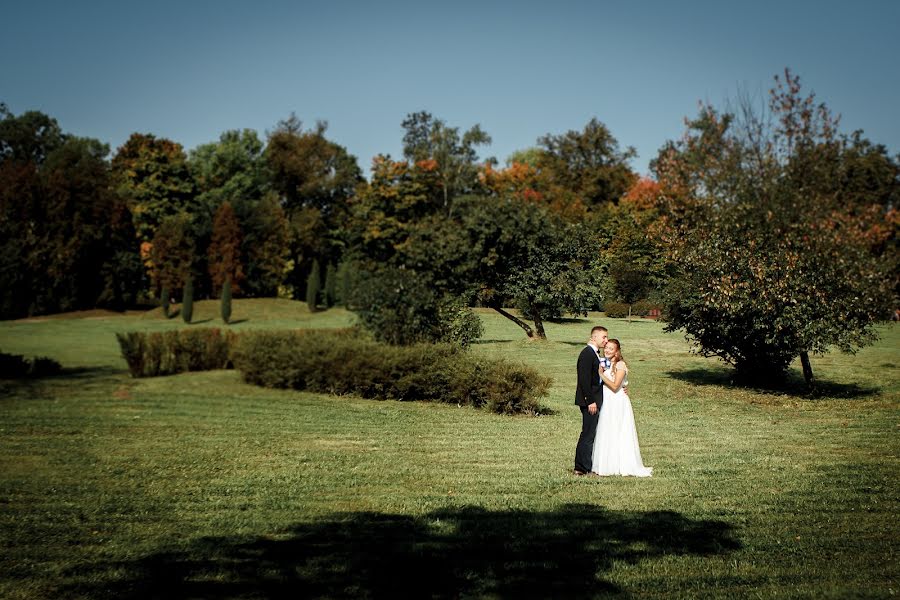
<point x="608" y="444"/>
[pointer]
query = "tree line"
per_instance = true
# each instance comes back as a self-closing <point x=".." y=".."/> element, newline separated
<point x="764" y="232"/>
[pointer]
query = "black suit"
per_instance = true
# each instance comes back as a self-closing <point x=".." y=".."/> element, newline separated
<point x="589" y="390"/>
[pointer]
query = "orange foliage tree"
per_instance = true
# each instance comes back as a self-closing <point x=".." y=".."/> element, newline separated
<point x="225" y="250"/>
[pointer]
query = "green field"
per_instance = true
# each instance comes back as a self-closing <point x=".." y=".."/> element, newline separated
<point x="200" y="486"/>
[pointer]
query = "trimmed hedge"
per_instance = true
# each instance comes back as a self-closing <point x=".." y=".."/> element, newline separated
<point x="339" y="362"/>
<point x="170" y="352"/>
<point x="16" y="366"/>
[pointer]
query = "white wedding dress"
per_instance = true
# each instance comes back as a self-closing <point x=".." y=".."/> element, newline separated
<point x="616" y="449"/>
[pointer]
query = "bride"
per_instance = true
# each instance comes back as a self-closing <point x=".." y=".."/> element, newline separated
<point x="616" y="450"/>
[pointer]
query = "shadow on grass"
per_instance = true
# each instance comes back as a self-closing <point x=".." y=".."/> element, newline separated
<point x="443" y="554"/>
<point x="579" y="344"/>
<point x="793" y="384"/>
<point x="566" y="320"/>
<point x="82" y="373"/>
<point x="493" y="341"/>
<point x="49" y="386"/>
<point x="236" y="321"/>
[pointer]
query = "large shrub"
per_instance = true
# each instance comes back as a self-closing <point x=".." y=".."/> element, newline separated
<point x="615" y="310"/>
<point x="170" y="352"/>
<point x="339" y="362"/>
<point x="402" y="307"/>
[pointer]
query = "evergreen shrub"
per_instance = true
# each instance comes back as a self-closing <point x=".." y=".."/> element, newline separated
<point x="226" y="302"/>
<point x="187" y="303"/>
<point x="164" y="301"/>
<point x="330" y="291"/>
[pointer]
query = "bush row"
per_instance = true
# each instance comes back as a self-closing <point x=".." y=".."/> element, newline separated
<point x="339" y="362"/>
<point x="170" y="352"/>
<point x="16" y="366"/>
<point x="619" y="310"/>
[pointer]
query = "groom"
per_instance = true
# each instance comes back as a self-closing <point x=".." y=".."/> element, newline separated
<point x="589" y="397"/>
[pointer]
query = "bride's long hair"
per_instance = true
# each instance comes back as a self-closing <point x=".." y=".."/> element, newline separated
<point x="617" y="356"/>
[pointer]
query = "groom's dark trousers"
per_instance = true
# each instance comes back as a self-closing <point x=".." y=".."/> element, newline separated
<point x="589" y="390"/>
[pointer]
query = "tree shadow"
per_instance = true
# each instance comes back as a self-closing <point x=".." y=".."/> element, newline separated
<point x="493" y="341"/>
<point x="792" y="384"/>
<point x="82" y="373"/>
<point x="236" y="321"/>
<point x="565" y="320"/>
<point x="447" y="553"/>
<point x="40" y="387"/>
<point x="200" y="321"/>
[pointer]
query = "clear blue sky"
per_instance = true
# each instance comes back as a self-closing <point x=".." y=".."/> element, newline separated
<point x="190" y="70"/>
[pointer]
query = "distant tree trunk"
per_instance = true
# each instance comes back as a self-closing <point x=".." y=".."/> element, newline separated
<point x="539" y="325"/>
<point x="807" y="368"/>
<point x="528" y="330"/>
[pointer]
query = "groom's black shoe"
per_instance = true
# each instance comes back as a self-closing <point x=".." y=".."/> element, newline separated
<point x="577" y="472"/>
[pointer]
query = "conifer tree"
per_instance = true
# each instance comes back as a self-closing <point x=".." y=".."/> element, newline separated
<point x="226" y="301"/>
<point x="225" y="249"/>
<point x="330" y="285"/>
<point x="312" y="287"/>
<point x="164" y="301"/>
<point x="187" y="305"/>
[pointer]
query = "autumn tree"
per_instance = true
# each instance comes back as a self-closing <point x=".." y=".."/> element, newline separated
<point x="225" y="250"/>
<point x="530" y="183"/>
<point x="90" y="253"/>
<point x="232" y="169"/>
<point x="587" y="163"/>
<point x="776" y="250"/>
<point x="307" y="169"/>
<point x="171" y="253"/>
<point x="65" y="237"/>
<point x="455" y="156"/>
<point x="407" y="259"/>
<point x="266" y="248"/>
<point x="152" y="174"/>
<point x="631" y="244"/>
<point x="314" y="179"/>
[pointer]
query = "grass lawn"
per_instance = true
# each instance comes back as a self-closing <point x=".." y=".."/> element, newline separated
<point x="200" y="486"/>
